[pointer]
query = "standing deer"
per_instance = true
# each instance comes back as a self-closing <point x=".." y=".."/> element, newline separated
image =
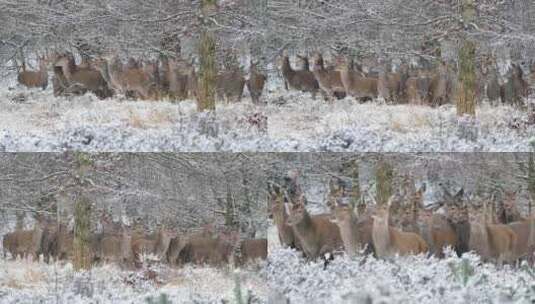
<point x="492" y="242"/>
<point x="439" y="88"/>
<point x="255" y="83"/>
<point x="389" y="241"/>
<point x="130" y="80"/>
<point x="178" y="79"/>
<point x="515" y="87"/>
<point x="229" y="85"/>
<point x="280" y="217"/>
<point x="85" y="78"/>
<point x="252" y="250"/>
<point x="317" y="234"/>
<point x="206" y="250"/>
<point x="23" y="243"/>
<point x="416" y="88"/>
<point x="35" y="79"/>
<point x="509" y="213"/>
<point x="525" y="243"/>
<point x="356" y="85"/>
<point x="330" y="81"/>
<point x="303" y="81"/>
<point x="434" y="228"/>
<point x="389" y="85"/>
<point x="356" y="233"/>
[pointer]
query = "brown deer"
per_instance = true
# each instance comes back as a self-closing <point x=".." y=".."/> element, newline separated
<point x="416" y="88"/>
<point x="255" y="83"/>
<point x="492" y="242"/>
<point x="252" y="250"/>
<point x="280" y="217"/>
<point x="35" y="79"/>
<point x="389" y="241"/>
<point x="525" y="232"/>
<point x="509" y="213"/>
<point x="152" y="69"/>
<point x="303" y="81"/>
<point x="132" y="80"/>
<point x="178" y="79"/>
<point x="206" y="250"/>
<point x="330" y="81"/>
<point x="356" y="85"/>
<point x="176" y="245"/>
<point x="356" y="234"/>
<point x="439" y="92"/>
<point x="317" y="234"/>
<point x="389" y="85"/>
<point x="23" y="243"/>
<point x="86" y="78"/>
<point x="434" y="228"/>
<point x="229" y="85"/>
<point x="515" y="87"/>
<point x="156" y="244"/>
<point x="437" y="232"/>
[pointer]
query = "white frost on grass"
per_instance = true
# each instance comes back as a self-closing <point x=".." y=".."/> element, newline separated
<point x="35" y="120"/>
<point x="23" y="281"/>
<point x="413" y="279"/>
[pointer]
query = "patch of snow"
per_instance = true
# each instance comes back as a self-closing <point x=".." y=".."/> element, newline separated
<point x="35" y="120"/>
<point x="23" y="281"/>
<point x="413" y="279"/>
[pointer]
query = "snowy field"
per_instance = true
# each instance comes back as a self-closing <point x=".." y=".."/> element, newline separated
<point x="30" y="282"/>
<point x="34" y="120"/>
<point x="415" y="279"/>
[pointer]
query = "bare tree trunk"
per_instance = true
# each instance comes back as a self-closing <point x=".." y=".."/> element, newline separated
<point x="82" y="215"/>
<point x="207" y="53"/>
<point x="466" y="98"/>
<point x="531" y="180"/>
<point x="384" y="175"/>
<point x="355" y="183"/>
<point x="81" y="243"/>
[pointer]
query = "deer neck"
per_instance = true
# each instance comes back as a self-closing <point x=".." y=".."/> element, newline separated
<point x="106" y="74"/>
<point x="67" y="71"/>
<point x="42" y="70"/>
<point x="381" y="237"/>
<point x="350" y="235"/>
<point x="307" y="234"/>
<point x="280" y="217"/>
<point x="531" y="222"/>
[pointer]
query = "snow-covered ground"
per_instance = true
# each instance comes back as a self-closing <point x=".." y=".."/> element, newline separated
<point x="31" y="282"/>
<point x="34" y="120"/>
<point x="414" y="279"/>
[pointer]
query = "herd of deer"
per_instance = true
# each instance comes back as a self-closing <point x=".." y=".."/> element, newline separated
<point x="171" y="78"/>
<point x="403" y="229"/>
<point x="116" y="243"/>
<point x="433" y="86"/>
<point x="176" y="79"/>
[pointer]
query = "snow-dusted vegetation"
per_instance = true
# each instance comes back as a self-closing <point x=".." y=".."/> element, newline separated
<point x="36" y="121"/>
<point x="413" y="279"/>
<point x="31" y="282"/>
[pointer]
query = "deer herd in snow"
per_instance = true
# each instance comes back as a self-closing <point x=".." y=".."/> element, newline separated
<point x="130" y="247"/>
<point x="176" y="79"/>
<point x="403" y="227"/>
